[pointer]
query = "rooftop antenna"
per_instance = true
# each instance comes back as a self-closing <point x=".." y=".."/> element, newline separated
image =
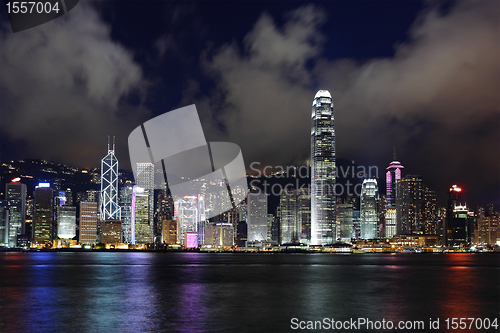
<point x="108" y="142"/>
<point x="113" y="143"/>
<point x="394" y="155"/>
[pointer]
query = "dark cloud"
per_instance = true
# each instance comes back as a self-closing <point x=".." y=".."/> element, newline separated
<point x="66" y="85"/>
<point x="436" y="99"/>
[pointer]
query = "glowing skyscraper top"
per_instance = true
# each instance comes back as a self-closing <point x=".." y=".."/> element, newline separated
<point x="392" y="176"/>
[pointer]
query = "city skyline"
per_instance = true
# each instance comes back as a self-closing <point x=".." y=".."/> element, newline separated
<point x="390" y="83"/>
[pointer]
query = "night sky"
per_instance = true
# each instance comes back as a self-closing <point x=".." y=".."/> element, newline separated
<point x="420" y="76"/>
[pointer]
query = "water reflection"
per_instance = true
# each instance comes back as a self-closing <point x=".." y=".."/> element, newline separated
<point x="193" y="292"/>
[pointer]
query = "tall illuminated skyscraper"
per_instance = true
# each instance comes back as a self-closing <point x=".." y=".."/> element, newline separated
<point x="323" y="228"/>
<point x="109" y="208"/>
<point x="369" y="209"/>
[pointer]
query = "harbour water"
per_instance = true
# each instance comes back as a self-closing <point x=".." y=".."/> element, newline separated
<point x="248" y="292"/>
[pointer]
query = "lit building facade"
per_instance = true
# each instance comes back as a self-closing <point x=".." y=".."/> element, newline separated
<point x="125" y="202"/>
<point x="257" y="216"/>
<point x="189" y="211"/>
<point x="323" y="229"/>
<point x="111" y="231"/>
<point x="459" y="220"/>
<point x="369" y="209"/>
<point x="487" y="230"/>
<point x="145" y="179"/>
<point x="304" y="215"/>
<point x="141" y="230"/>
<point x="66" y="222"/>
<point x="43" y="222"/>
<point x="169" y="232"/>
<point x="409" y="201"/>
<point x="88" y="222"/>
<point x="288" y="217"/>
<point x="345" y="221"/>
<point x="15" y="194"/>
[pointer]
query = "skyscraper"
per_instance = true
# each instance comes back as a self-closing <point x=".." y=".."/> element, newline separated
<point x="369" y="209"/>
<point x="126" y="213"/>
<point x="345" y="221"/>
<point x="109" y="208"/>
<point x="145" y="179"/>
<point x="410" y="205"/>
<point x="15" y="194"/>
<point x="392" y="176"/>
<point x="323" y="228"/>
<point x="66" y="222"/>
<point x="141" y="230"/>
<point x="304" y="215"/>
<point x="257" y="216"/>
<point x="459" y="223"/>
<point x="43" y="222"/>
<point x="88" y="222"/>
<point x="288" y="216"/>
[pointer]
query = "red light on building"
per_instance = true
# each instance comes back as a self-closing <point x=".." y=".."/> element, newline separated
<point x="15" y="180"/>
<point x="458" y="189"/>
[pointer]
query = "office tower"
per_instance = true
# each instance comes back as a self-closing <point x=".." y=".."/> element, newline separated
<point x="111" y="231"/>
<point x="390" y="222"/>
<point x="409" y="202"/>
<point x="92" y="196"/>
<point x="164" y="209"/>
<point x="322" y="170"/>
<point x="459" y="221"/>
<point x="487" y="230"/>
<point x="140" y="230"/>
<point x="257" y="216"/>
<point x="288" y="217"/>
<point x="125" y="202"/>
<point x="145" y="179"/>
<point x="88" y="222"/>
<point x="241" y="234"/>
<point x="430" y="212"/>
<point x="109" y="208"/>
<point x="15" y="194"/>
<point x="223" y="235"/>
<point x="190" y="215"/>
<point x="169" y="231"/>
<point x="345" y="221"/>
<point x="304" y="215"/>
<point x="66" y="222"/>
<point x="43" y="223"/>
<point x="369" y="209"/>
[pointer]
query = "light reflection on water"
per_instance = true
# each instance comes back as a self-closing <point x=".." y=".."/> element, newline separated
<point x="198" y="292"/>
